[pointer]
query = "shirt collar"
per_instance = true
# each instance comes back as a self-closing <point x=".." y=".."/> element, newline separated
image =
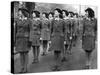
<point x="65" y="18"/>
<point x="57" y="19"/>
<point x="36" y="19"/>
<point x="23" y="18"/>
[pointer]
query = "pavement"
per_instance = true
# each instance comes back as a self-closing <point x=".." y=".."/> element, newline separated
<point x="76" y="61"/>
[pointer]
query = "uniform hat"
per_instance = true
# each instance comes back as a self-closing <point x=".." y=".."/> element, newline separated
<point x="24" y="12"/>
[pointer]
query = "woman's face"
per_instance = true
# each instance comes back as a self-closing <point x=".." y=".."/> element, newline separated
<point x="50" y="16"/>
<point x="86" y="14"/>
<point x="69" y="15"/>
<point x="33" y="15"/>
<point x="20" y="14"/>
<point x="56" y="13"/>
<point x="75" y="16"/>
<point x="43" y="15"/>
<point x="64" y="14"/>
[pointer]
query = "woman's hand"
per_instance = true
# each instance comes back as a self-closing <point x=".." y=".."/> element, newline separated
<point x="64" y="42"/>
<point x="70" y="37"/>
<point x="41" y="39"/>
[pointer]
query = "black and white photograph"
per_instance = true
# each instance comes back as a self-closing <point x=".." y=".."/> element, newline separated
<point x="52" y="37"/>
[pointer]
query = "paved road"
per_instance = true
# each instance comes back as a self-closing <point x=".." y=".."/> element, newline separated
<point x="76" y="61"/>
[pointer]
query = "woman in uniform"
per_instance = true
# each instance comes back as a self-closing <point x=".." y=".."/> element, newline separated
<point x="67" y="32"/>
<point x="72" y="31"/>
<point x="57" y="37"/>
<point x="45" y="32"/>
<point x="22" y="38"/>
<point x="35" y="33"/>
<point x="50" y="17"/>
<point x="76" y="23"/>
<point x="89" y="35"/>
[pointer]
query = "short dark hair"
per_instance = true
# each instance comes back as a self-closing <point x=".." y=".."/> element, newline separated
<point x="51" y="13"/>
<point x="90" y="12"/>
<point x="37" y="13"/>
<point x="46" y="14"/>
<point x="60" y="15"/>
<point x="72" y="13"/>
<point x="76" y="14"/>
<point x="24" y="12"/>
<point x="66" y="12"/>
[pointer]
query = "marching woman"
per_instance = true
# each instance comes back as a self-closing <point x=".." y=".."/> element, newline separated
<point x="35" y="33"/>
<point x="50" y="17"/>
<point x="22" y="38"/>
<point x="67" y="32"/>
<point x="45" y="32"/>
<point x="72" y="31"/>
<point x="76" y="29"/>
<point x="57" y="37"/>
<point x="89" y="34"/>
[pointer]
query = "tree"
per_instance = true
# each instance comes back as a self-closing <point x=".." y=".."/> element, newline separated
<point x="30" y="6"/>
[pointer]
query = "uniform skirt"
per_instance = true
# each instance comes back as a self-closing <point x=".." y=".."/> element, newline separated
<point x="22" y="44"/>
<point x="45" y="34"/>
<point x="67" y="38"/>
<point x="34" y="38"/>
<point x="88" y="42"/>
<point x="57" y="43"/>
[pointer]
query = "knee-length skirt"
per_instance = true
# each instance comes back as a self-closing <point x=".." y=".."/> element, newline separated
<point x="67" y="38"/>
<point x="22" y="44"/>
<point x="45" y="34"/>
<point x="57" y="43"/>
<point x="88" y="42"/>
<point x="34" y="39"/>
